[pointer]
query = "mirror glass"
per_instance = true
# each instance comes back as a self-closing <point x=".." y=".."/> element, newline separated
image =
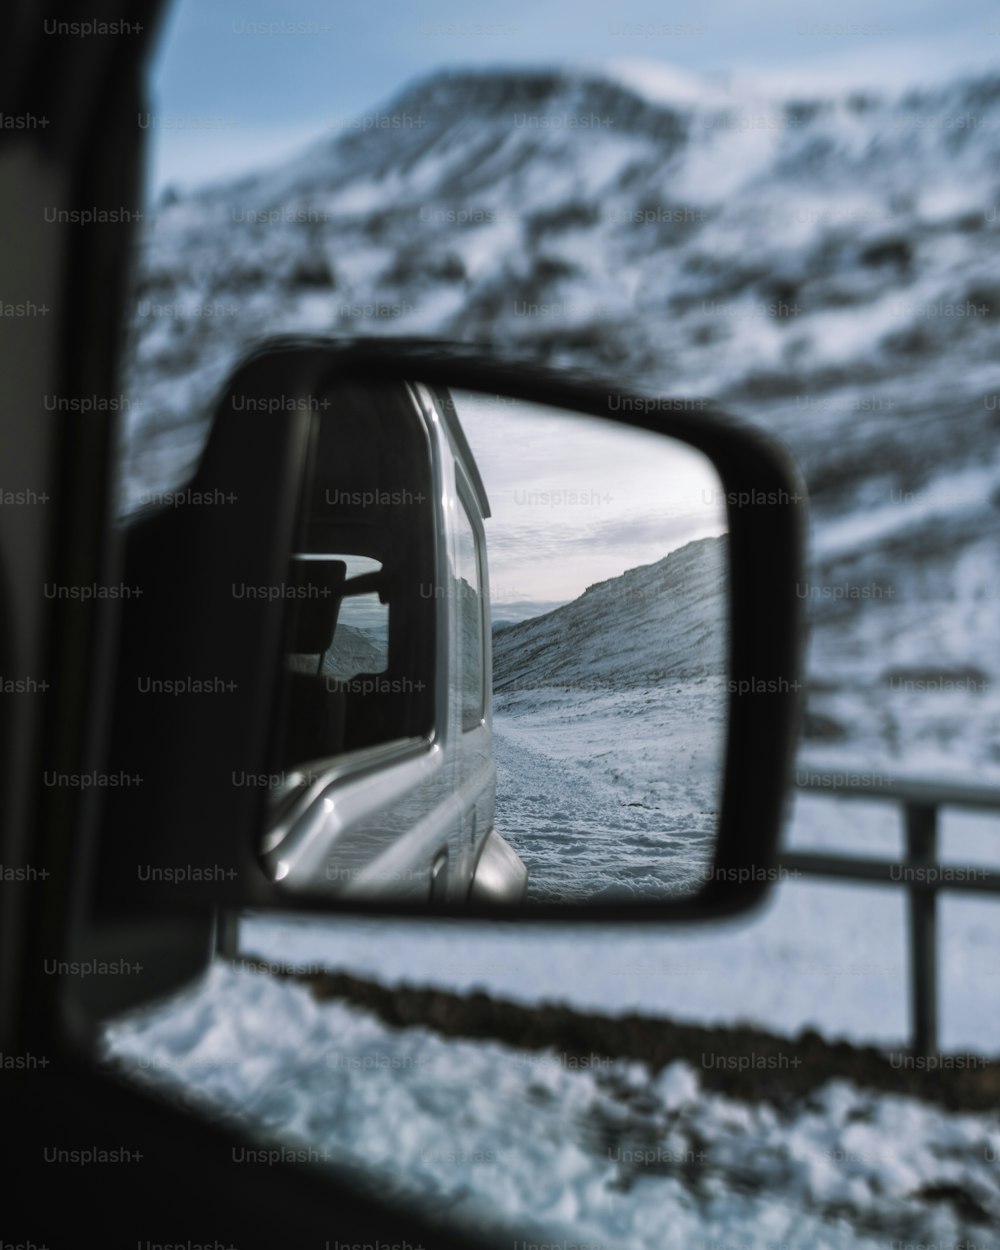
<point x="505" y="673"/>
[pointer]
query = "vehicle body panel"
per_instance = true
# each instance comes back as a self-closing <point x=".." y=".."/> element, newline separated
<point x="411" y="818"/>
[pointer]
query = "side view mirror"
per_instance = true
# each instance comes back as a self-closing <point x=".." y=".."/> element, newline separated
<point x="457" y="637"/>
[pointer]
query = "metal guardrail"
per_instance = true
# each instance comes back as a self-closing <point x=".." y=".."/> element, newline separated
<point x="919" y="872"/>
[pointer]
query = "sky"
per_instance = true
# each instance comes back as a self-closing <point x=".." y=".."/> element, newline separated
<point x="238" y="83"/>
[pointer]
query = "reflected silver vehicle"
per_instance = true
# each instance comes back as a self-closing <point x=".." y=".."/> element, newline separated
<point x="387" y="781"/>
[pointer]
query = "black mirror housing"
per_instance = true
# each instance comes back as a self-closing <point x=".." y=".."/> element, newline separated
<point x="180" y="835"/>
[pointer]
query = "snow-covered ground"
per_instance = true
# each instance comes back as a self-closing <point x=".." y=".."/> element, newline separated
<point x="600" y="1152"/>
<point x="589" y="824"/>
<point x="592" y="1152"/>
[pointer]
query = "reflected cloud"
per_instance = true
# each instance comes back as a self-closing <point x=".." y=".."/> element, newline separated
<point x="577" y="500"/>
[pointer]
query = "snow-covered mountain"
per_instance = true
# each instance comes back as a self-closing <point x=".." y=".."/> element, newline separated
<point x="512" y="611"/>
<point x="825" y="265"/>
<point x="720" y="245"/>
<point x="354" y="651"/>
<point x="652" y="624"/>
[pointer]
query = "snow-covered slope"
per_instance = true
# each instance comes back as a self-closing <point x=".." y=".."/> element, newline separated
<point x="824" y="264"/>
<point x="653" y="624"/>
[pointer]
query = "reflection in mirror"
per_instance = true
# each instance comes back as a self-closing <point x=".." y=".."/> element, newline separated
<point x="506" y="656"/>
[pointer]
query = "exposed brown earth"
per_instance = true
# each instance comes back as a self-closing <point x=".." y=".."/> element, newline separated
<point x="741" y="1062"/>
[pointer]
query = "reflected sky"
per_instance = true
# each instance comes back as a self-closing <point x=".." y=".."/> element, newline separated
<point x="576" y="500"/>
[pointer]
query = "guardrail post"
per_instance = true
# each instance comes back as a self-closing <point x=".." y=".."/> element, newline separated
<point x="921" y="853"/>
<point x="920" y="798"/>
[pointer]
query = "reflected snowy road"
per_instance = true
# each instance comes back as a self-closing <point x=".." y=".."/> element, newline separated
<point x="609" y="719"/>
<point x="587" y="832"/>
